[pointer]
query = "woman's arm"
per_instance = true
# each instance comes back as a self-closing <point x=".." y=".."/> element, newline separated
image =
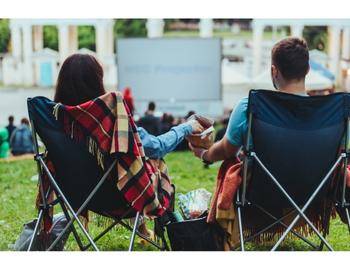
<point x="158" y="146"/>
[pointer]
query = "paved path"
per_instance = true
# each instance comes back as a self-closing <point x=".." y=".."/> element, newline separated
<point x="13" y="101"/>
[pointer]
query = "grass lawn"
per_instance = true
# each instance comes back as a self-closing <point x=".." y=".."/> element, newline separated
<point x="18" y="192"/>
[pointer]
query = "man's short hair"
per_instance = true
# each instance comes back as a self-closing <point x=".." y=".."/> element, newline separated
<point x="11" y="118"/>
<point x="151" y="106"/>
<point x="291" y="58"/>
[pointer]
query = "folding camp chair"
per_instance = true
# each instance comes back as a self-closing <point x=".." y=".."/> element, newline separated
<point x="294" y="147"/>
<point x="79" y="183"/>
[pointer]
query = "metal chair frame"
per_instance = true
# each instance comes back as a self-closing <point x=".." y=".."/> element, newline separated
<point x="72" y="216"/>
<point x="241" y="201"/>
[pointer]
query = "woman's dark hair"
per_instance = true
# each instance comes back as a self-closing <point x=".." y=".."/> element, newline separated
<point x="79" y="80"/>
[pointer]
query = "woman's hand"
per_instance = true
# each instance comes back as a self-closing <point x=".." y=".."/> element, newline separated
<point x="196" y="126"/>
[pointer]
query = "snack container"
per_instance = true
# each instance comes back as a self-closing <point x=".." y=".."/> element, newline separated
<point x="199" y="140"/>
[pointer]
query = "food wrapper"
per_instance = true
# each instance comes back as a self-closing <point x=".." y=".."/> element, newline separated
<point x="206" y="138"/>
<point x="194" y="203"/>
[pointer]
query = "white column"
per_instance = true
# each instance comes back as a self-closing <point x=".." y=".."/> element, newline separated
<point x="155" y="28"/>
<point x="104" y="50"/>
<point x="63" y="42"/>
<point x="72" y="39"/>
<point x="206" y="28"/>
<point x="258" y="31"/>
<point x="38" y="37"/>
<point x="101" y="40"/>
<point x="297" y="30"/>
<point x="334" y="50"/>
<point x="110" y="37"/>
<point x="16" y="42"/>
<point x="346" y="44"/>
<point x="27" y="55"/>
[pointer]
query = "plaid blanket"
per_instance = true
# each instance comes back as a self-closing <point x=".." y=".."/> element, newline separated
<point x="109" y="131"/>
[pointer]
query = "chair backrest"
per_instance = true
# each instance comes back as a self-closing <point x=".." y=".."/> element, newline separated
<point x="77" y="171"/>
<point x="298" y="139"/>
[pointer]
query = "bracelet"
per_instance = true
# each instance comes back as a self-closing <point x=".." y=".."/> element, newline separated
<point x="202" y="157"/>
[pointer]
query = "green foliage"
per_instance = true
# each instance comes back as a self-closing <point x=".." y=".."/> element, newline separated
<point x="316" y="37"/>
<point x="87" y="37"/>
<point x="50" y="33"/>
<point x="4" y="35"/>
<point x="130" y="28"/>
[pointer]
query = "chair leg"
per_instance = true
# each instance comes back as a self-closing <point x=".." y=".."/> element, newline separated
<point x="40" y="216"/>
<point x="60" y="194"/>
<point x="132" y="240"/>
<point x="348" y="217"/>
<point x="241" y="236"/>
<point x="75" y="233"/>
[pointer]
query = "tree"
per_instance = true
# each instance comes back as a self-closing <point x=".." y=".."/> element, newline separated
<point x="4" y="35"/>
<point x="130" y="28"/>
<point x="87" y="37"/>
<point x="316" y="37"/>
<point x="50" y="37"/>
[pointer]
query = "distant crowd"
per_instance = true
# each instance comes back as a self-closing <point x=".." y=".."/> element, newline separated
<point x="18" y="140"/>
<point x="159" y="125"/>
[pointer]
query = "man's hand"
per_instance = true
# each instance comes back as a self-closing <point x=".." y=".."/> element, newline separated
<point x="198" y="152"/>
<point x="196" y="127"/>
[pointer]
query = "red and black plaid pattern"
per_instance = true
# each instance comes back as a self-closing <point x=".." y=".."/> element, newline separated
<point x="108" y="128"/>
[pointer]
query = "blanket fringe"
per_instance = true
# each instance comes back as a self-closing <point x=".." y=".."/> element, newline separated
<point x="55" y="110"/>
<point x="303" y="229"/>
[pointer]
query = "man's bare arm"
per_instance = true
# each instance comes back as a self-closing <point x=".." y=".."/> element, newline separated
<point x="221" y="150"/>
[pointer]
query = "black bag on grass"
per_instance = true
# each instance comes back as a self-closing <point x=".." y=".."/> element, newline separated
<point x="59" y="223"/>
<point x="195" y="235"/>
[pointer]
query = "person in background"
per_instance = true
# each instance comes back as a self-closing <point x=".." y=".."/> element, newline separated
<point x="183" y="146"/>
<point x="221" y="132"/>
<point x="167" y="122"/>
<point x="129" y="99"/>
<point x="149" y="121"/>
<point x="4" y="144"/>
<point x="10" y="127"/>
<point x="21" y="140"/>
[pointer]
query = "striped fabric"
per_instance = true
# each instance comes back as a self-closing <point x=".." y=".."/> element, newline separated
<point x="108" y="129"/>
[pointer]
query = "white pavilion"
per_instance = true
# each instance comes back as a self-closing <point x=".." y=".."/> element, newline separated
<point x="28" y="60"/>
<point x="29" y="63"/>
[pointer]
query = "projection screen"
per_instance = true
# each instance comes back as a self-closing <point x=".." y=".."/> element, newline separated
<point x="179" y="74"/>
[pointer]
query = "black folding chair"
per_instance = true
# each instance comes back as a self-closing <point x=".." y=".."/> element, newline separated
<point x="294" y="147"/>
<point x="79" y="183"/>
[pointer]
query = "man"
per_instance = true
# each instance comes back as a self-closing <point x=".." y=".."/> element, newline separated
<point x="289" y="67"/>
<point x="149" y="121"/>
<point x="10" y="127"/>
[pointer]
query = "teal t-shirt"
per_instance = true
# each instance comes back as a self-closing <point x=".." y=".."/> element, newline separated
<point x="238" y="124"/>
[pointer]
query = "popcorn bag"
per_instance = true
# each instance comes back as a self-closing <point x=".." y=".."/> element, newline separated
<point x="194" y="203"/>
<point x="206" y="138"/>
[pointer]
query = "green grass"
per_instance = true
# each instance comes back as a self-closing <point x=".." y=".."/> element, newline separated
<point x="18" y="192"/>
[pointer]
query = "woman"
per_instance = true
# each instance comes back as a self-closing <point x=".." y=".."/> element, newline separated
<point x="81" y="79"/>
